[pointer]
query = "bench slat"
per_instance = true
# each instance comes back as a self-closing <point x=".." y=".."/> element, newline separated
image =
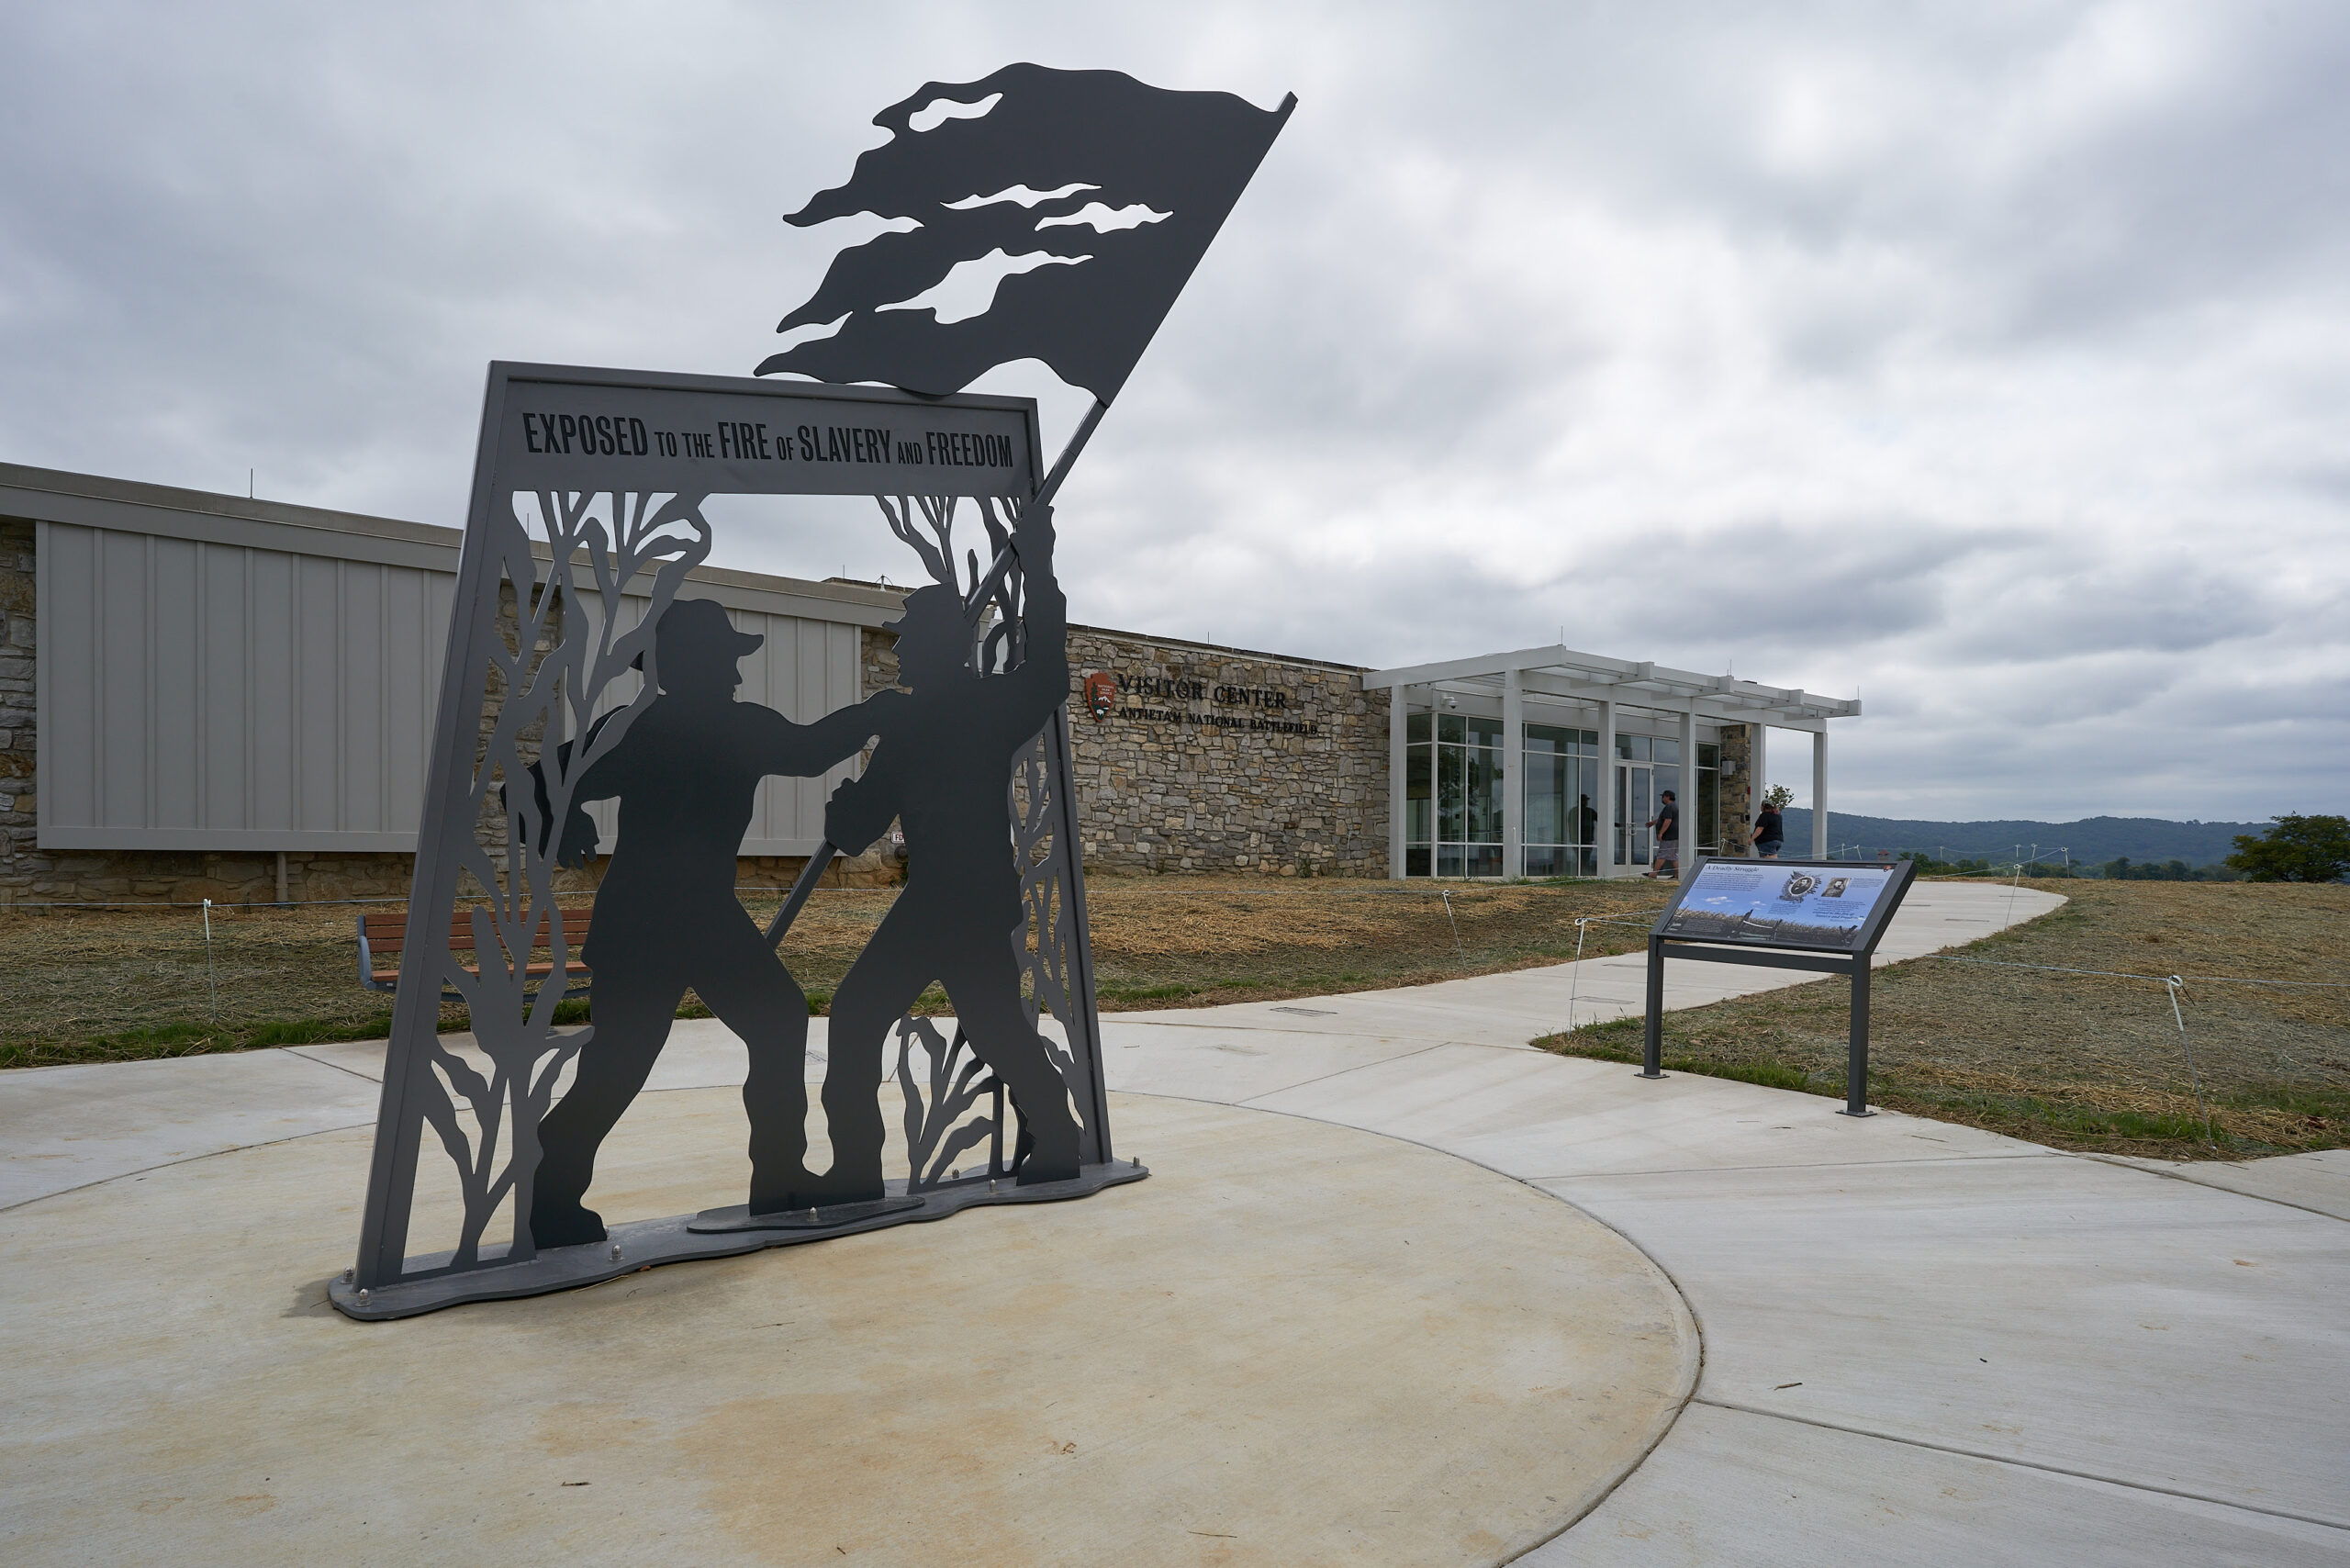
<point x="388" y="935"/>
<point x="389" y="931"/>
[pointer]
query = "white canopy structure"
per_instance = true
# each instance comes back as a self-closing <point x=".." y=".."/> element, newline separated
<point x="1537" y="728"/>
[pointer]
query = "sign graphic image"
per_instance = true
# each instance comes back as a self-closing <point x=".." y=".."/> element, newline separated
<point x="1780" y="905"/>
<point x="1101" y="694"/>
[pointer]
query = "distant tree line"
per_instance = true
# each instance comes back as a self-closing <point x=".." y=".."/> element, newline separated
<point x="2294" y="849"/>
<point x="2121" y="868"/>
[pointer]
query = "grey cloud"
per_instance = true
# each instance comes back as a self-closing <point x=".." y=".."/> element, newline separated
<point x="1915" y="351"/>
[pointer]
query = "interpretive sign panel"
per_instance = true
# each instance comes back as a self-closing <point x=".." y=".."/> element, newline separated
<point x="1824" y="915"/>
<point x="1812" y="905"/>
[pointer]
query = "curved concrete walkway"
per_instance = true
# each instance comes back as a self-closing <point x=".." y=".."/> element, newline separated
<point x="1923" y="1343"/>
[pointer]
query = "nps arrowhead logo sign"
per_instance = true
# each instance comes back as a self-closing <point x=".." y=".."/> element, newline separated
<point x="1101" y="694"/>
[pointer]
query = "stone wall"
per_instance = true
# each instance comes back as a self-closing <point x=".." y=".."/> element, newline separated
<point x="1216" y="759"/>
<point x="1219" y="759"/>
<point x="1738" y="786"/>
<point x="18" y="736"/>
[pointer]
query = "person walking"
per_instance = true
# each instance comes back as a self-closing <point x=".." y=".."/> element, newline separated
<point x="1666" y="826"/>
<point x="1770" y="832"/>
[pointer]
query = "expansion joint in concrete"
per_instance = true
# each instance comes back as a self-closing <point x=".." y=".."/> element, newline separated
<point x="2011" y="1460"/>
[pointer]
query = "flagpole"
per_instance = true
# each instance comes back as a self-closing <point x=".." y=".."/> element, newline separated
<point x="1044" y="496"/>
<point x="814" y="870"/>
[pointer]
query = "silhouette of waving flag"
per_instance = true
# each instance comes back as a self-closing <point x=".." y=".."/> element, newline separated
<point x="1090" y="195"/>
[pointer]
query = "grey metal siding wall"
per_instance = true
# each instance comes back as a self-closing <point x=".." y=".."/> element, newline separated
<point x="199" y="695"/>
<point x="218" y="673"/>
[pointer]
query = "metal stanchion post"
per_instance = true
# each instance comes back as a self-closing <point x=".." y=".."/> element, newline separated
<point x="1856" y="1061"/>
<point x="1652" y="1037"/>
<point x="211" y="986"/>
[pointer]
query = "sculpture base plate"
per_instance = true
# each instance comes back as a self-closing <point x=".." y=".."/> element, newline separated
<point x="827" y="1216"/>
<point x="636" y="1245"/>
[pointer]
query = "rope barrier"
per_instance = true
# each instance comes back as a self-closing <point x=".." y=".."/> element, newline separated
<point x="2151" y="979"/>
<point x="1574" y="978"/>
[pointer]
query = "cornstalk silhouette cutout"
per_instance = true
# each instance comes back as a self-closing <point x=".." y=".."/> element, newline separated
<point x="510" y="859"/>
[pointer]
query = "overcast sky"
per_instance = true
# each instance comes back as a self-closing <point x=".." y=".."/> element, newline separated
<point x="1991" y="361"/>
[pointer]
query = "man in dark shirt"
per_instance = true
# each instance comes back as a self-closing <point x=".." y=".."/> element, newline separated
<point x="1769" y="833"/>
<point x="1666" y="824"/>
<point x="1587" y="835"/>
<point x="687" y="773"/>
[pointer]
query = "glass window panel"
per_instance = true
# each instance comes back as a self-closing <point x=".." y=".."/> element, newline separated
<point x="1546" y="799"/>
<point x="1484" y="731"/>
<point x="1584" y="822"/>
<point x="1447" y="860"/>
<point x="1485" y="796"/>
<point x="1709" y="794"/>
<point x="1415" y="861"/>
<point x="1668" y="751"/>
<point x="1483" y="860"/>
<point x="1589" y="738"/>
<point x="1541" y="861"/>
<point x="1449" y="727"/>
<point x="1623" y="745"/>
<point x="1451" y="793"/>
<point x="1418" y="817"/>
<point x="1546" y="738"/>
<point x="1708" y="754"/>
<point x="1416" y="727"/>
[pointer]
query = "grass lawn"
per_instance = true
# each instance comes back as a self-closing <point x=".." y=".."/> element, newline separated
<point x="118" y="985"/>
<point x="2077" y="1061"/>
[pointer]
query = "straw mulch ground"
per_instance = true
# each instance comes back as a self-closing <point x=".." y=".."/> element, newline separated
<point x="2080" y="1061"/>
<point x="117" y="985"/>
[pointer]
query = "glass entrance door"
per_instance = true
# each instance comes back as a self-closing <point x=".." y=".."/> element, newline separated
<point x="1635" y="804"/>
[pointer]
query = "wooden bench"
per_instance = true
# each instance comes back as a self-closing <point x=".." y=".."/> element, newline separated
<point x="387" y="934"/>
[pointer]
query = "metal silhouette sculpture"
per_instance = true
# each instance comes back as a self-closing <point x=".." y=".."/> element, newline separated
<point x="578" y="671"/>
<point x="666" y="916"/>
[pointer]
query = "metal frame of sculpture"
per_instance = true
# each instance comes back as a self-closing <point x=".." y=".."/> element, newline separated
<point x="615" y="466"/>
<point x="528" y="732"/>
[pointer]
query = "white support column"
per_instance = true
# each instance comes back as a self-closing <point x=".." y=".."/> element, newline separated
<point x="1399" y="709"/>
<point x="1607" y="788"/>
<point x="1820" y="792"/>
<point x="1758" y="783"/>
<point x="1513" y="775"/>
<point x="1685" y="792"/>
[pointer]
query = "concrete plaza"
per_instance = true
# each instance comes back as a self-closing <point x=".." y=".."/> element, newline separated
<point x="1907" y="1341"/>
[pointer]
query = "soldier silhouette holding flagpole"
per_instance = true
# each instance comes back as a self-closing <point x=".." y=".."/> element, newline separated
<point x="686" y="775"/>
<point x="941" y="769"/>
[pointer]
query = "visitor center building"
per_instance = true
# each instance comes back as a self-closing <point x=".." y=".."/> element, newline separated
<point x="209" y="696"/>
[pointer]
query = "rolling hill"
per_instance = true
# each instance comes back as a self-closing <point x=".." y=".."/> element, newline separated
<point x="2092" y="839"/>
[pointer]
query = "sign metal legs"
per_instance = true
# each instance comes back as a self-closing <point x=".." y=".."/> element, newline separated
<point x="1856" y="1059"/>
